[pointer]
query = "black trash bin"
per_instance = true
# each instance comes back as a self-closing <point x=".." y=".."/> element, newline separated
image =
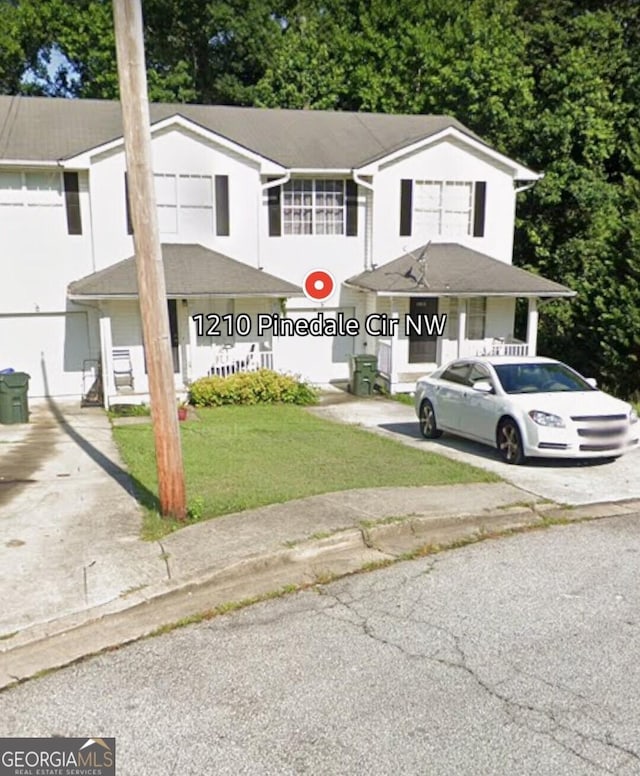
<point x="363" y="372"/>
<point x="14" y="404"/>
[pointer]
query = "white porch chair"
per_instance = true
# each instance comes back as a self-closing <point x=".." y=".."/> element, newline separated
<point x="122" y="368"/>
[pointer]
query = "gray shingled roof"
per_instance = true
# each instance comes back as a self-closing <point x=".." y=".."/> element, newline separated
<point x="189" y="270"/>
<point x="452" y="269"/>
<point x="50" y="129"/>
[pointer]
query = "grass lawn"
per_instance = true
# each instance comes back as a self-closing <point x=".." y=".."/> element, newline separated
<point x="403" y="398"/>
<point x="238" y="458"/>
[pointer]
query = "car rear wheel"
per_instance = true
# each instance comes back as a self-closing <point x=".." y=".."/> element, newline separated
<point x="428" y="425"/>
<point x="509" y="442"/>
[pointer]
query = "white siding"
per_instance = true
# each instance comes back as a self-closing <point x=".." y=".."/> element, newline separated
<point x="176" y="152"/>
<point x="38" y="258"/>
<point x="50" y="348"/>
<point x="126" y="332"/>
<point x="316" y="359"/>
<point x="446" y="160"/>
<point x="293" y="256"/>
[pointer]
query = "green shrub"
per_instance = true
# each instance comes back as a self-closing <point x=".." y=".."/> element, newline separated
<point x="261" y="387"/>
<point x="129" y="410"/>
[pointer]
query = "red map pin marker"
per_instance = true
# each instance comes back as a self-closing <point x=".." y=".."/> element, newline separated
<point x="318" y="285"/>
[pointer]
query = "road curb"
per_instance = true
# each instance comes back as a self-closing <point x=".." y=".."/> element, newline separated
<point x="61" y="642"/>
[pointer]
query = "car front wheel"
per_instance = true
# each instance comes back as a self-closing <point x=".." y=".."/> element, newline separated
<point x="509" y="442"/>
<point x="428" y="425"/>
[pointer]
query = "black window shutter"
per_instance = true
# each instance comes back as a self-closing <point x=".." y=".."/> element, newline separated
<point x="479" y="203"/>
<point x="72" y="202"/>
<point x="222" y="205"/>
<point x="352" y="208"/>
<point x="127" y="205"/>
<point x="275" y="228"/>
<point x="406" y="206"/>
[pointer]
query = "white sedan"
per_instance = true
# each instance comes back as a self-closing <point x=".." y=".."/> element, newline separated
<point x="525" y="407"/>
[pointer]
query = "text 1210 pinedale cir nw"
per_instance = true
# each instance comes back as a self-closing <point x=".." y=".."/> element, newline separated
<point x="338" y="325"/>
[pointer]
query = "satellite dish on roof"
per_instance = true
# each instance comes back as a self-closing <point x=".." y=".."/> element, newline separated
<point x="421" y="261"/>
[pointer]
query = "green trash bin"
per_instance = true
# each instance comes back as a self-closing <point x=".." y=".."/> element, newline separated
<point x="362" y="374"/>
<point x="14" y="406"/>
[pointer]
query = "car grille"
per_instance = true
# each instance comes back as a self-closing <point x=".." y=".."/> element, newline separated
<point x="552" y="446"/>
<point x="600" y="448"/>
<point x="601" y="433"/>
<point x="597" y="418"/>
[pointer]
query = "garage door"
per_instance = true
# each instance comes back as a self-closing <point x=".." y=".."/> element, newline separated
<point x="317" y="359"/>
<point x="50" y="348"/>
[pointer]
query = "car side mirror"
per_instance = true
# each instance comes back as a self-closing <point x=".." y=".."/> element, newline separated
<point x="592" y="382"/>
<point x="483" y="386"/>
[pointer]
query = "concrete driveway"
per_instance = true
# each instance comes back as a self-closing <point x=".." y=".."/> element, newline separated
<point x="567" y="482"/>
<point x="69" y="524"/>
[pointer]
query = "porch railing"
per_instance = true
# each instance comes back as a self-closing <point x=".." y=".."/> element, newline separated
<point x="500" y="348"/>
<point x="240" y="358"/>
<point x="385" y="358"/>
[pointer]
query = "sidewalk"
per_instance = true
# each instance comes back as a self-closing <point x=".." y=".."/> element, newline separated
<point x="76" y="578"/>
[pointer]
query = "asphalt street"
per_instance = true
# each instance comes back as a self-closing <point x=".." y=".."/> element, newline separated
<point x="514" y="656"/>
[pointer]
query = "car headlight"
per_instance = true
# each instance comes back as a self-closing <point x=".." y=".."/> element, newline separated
<point x="546" y="419"/>
<point x="633" y="416"/>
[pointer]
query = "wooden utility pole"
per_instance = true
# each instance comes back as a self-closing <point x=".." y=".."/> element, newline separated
<point x="127" y="15"/>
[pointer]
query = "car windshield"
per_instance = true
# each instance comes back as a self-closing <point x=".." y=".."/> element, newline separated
<point x="540" y="378"/>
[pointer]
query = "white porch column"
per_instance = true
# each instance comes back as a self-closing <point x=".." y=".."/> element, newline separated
<point x="368" y="228"/>
<point x="462" y="326"/>
<point x="276" y="309"/>
<point x="192" y="335"/>
<point x="106" y="354"/>
<point x="395" y="346"/>
<point x="532" y="326"/>
<point x="369" y="342"/>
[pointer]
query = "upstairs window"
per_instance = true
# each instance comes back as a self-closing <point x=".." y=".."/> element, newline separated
<point x="185" y="203"/>
<point x="313" y="207"/>
<point x="444" y="207"/>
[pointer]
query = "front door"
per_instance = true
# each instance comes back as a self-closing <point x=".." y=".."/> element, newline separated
<point x="422" y="346"/>
<point x="173" y="333"/>
<point x="174" y="338"/>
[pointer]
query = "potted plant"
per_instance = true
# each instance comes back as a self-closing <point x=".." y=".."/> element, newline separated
<point x="182" y="410"/>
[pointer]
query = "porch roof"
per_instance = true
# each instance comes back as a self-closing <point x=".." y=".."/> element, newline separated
<point x="450" y="269"/>
<point x="189" y="270"/>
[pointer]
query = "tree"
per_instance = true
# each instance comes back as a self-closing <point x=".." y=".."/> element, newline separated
<point x="23" y="35"/>
<point x="411" y="56"/>
<point x="576" y="224"/>
<point x="197" y="51"/>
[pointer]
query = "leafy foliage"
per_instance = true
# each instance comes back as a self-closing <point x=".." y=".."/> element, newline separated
<point x="577" y="225"/>
<point x="260" y="387"/>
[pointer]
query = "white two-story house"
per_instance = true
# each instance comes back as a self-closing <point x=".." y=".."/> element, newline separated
<point x="409" y="214"/>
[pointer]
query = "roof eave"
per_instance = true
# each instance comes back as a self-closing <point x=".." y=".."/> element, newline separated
<point x="267" y="166"/>
<point x="74" y="297"/>
<point x="520" y="172"/>
<point x="321" y="171"/>
<point x="468" y="294"/>
<point x="29" y="163"/>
